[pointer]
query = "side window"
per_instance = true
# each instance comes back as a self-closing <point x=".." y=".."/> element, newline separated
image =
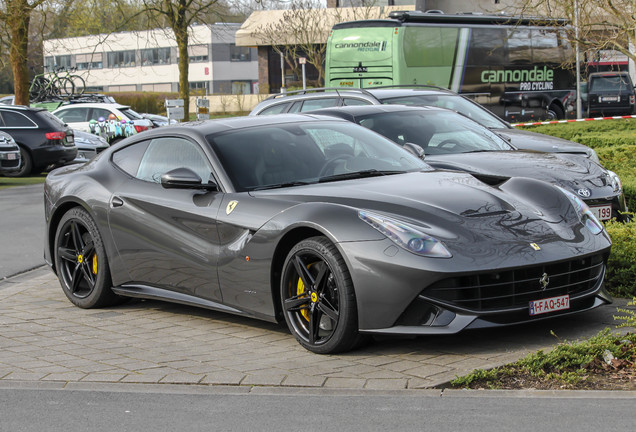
<point x="100" y="112"/>
<point x="274" y="109"/>
<point x="166" y="154"/>
<point x="355" y="102"/>
<point x="314" y="104"/>
<point x="15" y="119"/>
<point x="129" y="158"/>
<point x="73" y="115"/>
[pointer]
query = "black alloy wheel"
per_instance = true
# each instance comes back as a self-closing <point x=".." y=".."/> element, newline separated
<point x="318" y="299"/>
<point x="81" y="262"/>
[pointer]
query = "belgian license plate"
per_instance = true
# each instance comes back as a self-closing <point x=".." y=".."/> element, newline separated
<point x="70" y="139"/>
<point x="12" y="156"/>
<point x="551" y="304"/>
<point x="602" y="212"/>
<point x="609" y="99"/>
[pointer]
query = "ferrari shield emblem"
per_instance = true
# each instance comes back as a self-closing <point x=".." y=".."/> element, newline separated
<point x="230" y="207"/>
<point x="535" y="246"/>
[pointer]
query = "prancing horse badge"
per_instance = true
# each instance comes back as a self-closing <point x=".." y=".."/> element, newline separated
<point x="230" y="207"/>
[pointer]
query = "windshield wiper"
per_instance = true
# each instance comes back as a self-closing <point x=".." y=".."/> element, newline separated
<point x="282" y="185"/>
<point x="358" y="174"/>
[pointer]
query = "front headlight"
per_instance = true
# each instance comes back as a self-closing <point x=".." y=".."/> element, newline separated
<point x="615" y="181"/>
<point x="406" y="236"/>
<point x="586" y="217"/>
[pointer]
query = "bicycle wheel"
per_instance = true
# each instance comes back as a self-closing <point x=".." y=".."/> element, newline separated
<point x="38" y="89"/>
<point x="78" y="83"/>
<point x="65" y="86"/>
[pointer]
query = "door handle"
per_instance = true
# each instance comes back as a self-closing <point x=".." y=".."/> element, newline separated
<point x="116" y="202"/>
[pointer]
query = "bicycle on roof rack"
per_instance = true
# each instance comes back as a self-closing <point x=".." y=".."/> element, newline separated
<point x="51" y="85"/>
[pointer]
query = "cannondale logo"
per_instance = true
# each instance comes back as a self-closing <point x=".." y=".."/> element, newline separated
<point x="584" y="192"/>
<point x="544" y="281"/>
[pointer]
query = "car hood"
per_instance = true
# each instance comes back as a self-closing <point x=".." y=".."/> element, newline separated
<point x="526" y="140"/>
<point x="466" y="214"/>
<point x="572" y="172"/>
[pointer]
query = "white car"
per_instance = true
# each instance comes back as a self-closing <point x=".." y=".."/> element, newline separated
<point x="88" y="146"/>
<point x="112" y="122"/>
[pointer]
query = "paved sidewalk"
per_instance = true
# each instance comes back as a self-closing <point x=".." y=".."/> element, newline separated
<point x="44" y="338"/>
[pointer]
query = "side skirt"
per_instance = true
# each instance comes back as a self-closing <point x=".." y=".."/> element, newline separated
<point x="153" y="293"/>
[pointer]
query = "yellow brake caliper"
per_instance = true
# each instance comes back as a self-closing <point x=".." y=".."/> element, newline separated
<point x="300" y="288"/>
<point x="94" y="264"/>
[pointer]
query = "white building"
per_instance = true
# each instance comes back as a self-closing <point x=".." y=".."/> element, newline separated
<point x="147" y="60"/>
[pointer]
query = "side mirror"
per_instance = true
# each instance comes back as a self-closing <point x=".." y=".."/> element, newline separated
<point x="185" y="178"/>
<point x="415" y="149"/>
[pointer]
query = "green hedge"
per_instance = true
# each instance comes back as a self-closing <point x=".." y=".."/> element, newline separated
<point x="144" y="102"/>
<point x="615" y="144"/>
<point x="613" y="140"/>
<point x="621" y="270"/>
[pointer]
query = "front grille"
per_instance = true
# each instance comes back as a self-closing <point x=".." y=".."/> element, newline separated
<point x="9" y="163"/>
<point x="511" y="289"/>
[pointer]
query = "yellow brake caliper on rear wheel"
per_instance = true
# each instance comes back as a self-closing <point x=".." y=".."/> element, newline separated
<point x="94" y="263"/>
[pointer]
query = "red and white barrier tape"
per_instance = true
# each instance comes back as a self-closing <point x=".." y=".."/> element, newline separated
<point x="574" y="120"/>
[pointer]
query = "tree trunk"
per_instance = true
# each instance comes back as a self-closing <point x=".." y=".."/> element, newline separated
<point x="181" y="35"/>
<point x="19" y="16"/>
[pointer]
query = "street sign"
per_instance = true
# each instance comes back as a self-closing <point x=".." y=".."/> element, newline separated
<point x="302" y="60"/>
<point x="176" y="113"/>
<point x="173" y="103"/>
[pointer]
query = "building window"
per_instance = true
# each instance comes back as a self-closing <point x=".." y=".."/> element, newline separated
<point x="239" y="53"/>
<point x="155" y="56"/>
<point x="241" y="87"/>
<point x="198" y="53"/>
<point x="121" y="59"/>
<point x="63" y="61"/>
<point x="122" y="88"/>
<point x="198" y="88"/>
<point x="89" y="61"/>
<point x="165" y="87"/>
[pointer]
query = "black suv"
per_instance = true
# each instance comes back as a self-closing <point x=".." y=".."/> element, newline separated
<point x="44" y="140"/>
<point x="610" y="93"/>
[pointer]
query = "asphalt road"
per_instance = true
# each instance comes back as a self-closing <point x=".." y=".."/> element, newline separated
<point x="265" y="409"/>
<point x="21" y="229"/>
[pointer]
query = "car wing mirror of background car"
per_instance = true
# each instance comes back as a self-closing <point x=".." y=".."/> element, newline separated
<point x="415" y="149"/>
<point x="185" y="178"/>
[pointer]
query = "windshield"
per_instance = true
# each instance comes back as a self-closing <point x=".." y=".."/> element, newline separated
<point x="609" y="83"/>
<point x="131" y="114"/>
<point x="453" y="102"/>
<point x="291" y="154"/>
<point x="436" y="131"/>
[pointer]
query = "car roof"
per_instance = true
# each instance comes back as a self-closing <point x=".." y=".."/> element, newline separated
<point x="207" y="127"/>
<point x="350" y="112"/>
<point x="390" y="92"/>
<point x="21" y="108"/>
<point x="95" y="105"/>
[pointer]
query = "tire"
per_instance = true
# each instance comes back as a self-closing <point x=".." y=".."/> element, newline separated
<point x="26" y="165"/>
<point x="65" y="87"/>
<point x="81" y="261"/>
<point x="318" y="299"/>
<point x="78" y="83"/>
<point x="555" y="112"/>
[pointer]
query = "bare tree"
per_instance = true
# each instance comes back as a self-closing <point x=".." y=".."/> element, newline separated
<point x="602" y="24"/>
<point x="179" y="15"/>
<point x="302" y="30"/>
<point x="16" y="15"/>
